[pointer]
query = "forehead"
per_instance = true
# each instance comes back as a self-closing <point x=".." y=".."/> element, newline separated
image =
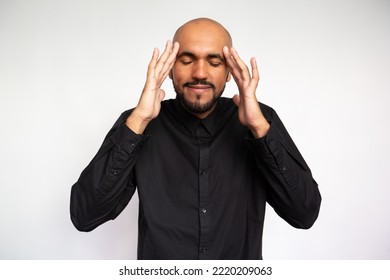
<point x="202" y="37"/>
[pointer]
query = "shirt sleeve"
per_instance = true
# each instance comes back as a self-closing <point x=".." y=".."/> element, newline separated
<point x="291" y="189"/>
<point x="106" y="185"/>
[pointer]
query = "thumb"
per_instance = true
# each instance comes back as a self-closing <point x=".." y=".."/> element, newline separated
<point x="236" y="99"/>
<point x="161" y="95"/>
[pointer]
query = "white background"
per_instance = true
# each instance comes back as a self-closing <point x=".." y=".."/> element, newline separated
<point x="69" y="68"/>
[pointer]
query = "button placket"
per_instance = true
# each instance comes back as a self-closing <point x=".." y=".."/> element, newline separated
<point x="204" y="218"/>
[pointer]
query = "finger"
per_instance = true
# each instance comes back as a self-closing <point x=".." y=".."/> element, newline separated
<point x="236" y="99"/>
<point x="240" y="72"/>
<point x="232" y="65"/>
<point x="170" y="60"/>
<point x="255" y="71"/>
<point x="161" y="95"/>
<point x="164" y="56"/>
<point x="168" y="64"/>
<point x="243" y="68"/>
<point x="153" y="62"/>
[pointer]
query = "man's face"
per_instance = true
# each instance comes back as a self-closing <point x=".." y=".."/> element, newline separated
<point x="199" y="74"/>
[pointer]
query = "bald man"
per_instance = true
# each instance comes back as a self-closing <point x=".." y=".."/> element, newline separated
<point x="204" y="165"/>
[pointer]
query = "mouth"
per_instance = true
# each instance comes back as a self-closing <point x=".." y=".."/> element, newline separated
<point x="199" y="86"/>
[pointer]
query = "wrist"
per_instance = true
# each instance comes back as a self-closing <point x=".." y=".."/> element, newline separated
<point x="261" y="129"/>
<point x="137" y="123"/>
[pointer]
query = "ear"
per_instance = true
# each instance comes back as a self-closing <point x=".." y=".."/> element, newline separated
<point x="228" y="76"/>
<point x="171" y="74"/>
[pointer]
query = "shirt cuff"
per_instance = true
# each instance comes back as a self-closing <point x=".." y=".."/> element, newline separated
<point x="270" y="148"/>
<point x="270" y="143"/>
<point x="128" y="141"/>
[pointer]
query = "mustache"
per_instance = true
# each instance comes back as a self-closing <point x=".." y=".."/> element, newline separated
<point x="199" y="82"/>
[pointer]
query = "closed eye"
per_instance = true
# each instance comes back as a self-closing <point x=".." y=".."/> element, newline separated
<point x="186" y="62"/>
<point x="215" y="64"/>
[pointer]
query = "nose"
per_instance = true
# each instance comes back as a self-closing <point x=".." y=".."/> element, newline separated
<point x="200" y="71"/>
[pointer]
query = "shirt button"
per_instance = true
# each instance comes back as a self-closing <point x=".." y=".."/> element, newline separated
<point x="203" y="250"/>
<point x="284" y="168"/>
<point x="204" y="210"/>
<point x="203" y="172"/>
<point x="115" y="171"/>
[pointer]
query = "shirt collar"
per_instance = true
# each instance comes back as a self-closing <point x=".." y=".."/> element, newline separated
<point x="191" y="122"/>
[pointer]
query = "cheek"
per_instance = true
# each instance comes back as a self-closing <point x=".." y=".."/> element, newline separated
<point x="177" y="75"/>
<point x="177" y="81"/>
<point x="221" y="80"/>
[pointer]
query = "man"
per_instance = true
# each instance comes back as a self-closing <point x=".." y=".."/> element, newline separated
<point x="204" y="166"/>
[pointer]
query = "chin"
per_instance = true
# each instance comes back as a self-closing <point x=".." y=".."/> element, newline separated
<point x="197" y="106"/>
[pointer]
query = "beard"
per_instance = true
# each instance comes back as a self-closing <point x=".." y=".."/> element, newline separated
<point x="196" y="107"/>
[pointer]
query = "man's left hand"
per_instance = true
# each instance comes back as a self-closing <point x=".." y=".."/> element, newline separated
<point x="249" y="112"/>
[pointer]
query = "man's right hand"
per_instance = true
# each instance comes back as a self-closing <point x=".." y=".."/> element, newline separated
<point x="149" y="104"/>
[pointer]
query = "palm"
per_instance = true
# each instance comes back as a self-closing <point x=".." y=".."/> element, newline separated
<point x="150" y="102"/>
<point x="249" y="112"/>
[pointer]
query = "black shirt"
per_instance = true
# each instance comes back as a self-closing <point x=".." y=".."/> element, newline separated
<point x="202" y="184"/>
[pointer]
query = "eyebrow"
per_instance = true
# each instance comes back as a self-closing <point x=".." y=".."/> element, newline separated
<point x="193" y="56"/>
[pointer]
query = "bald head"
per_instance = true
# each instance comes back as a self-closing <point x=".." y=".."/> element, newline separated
<point x="200" y="72"/>
<point x="203" y="26"/>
